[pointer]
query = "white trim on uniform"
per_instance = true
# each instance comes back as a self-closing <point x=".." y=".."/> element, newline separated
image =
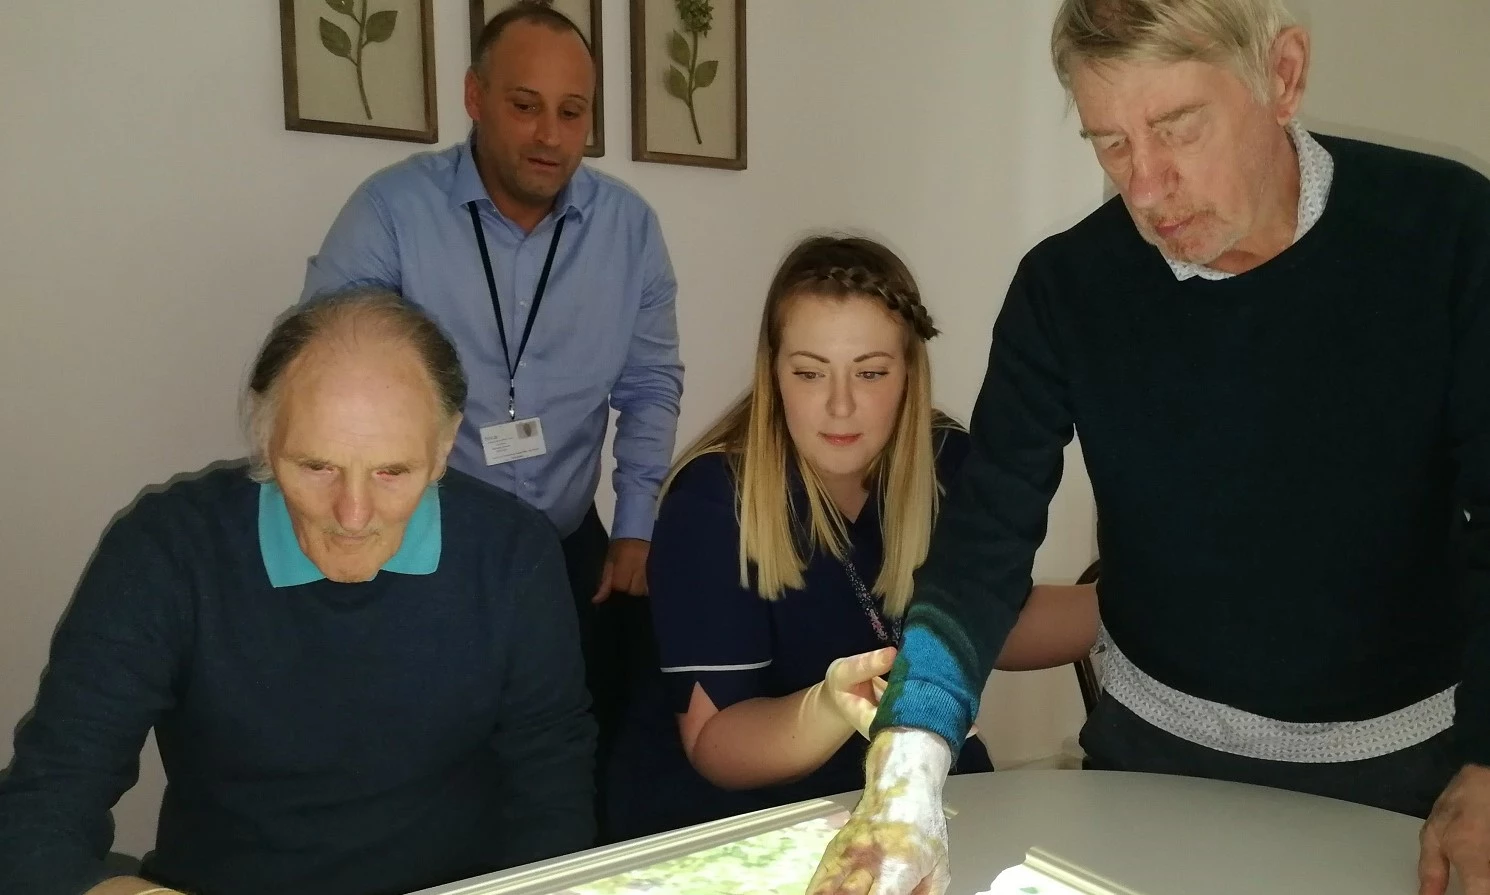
<point x="748" y="667"/>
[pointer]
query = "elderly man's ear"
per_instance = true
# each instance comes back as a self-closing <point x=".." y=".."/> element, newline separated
<point x="1290" y="71"/>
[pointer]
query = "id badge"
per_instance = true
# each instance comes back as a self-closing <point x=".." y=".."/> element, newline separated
<point x="517" y="440"/>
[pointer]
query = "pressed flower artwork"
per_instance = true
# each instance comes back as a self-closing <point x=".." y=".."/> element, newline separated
<point x="362" y="68"/>
<point x="688" y="82"/>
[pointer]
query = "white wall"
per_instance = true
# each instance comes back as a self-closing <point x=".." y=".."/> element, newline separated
<point x="1411" y="74"/>
<point x="155" y="216"/>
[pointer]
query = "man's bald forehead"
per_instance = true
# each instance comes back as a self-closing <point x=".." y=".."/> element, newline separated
<point x="372" y="326"/>
<point x="525" y="22"/>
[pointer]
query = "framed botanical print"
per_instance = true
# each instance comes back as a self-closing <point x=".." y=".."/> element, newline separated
<point x="688" y="82"/>
<point x="365" y="68"/>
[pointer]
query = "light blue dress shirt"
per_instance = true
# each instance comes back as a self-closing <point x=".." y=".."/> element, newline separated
<point x="606" y="331"/>
<point x="288" y="566"/>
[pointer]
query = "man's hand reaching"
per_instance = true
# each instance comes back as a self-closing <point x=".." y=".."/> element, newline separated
<point x="895" y="843"/>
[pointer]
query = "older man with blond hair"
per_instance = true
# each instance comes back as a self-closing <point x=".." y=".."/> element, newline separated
<point x="1275" y="346"/>
<point x="359" y="665"/>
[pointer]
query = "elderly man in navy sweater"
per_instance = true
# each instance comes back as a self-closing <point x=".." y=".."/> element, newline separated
<point x="362" y="669"/>
<point x="1275" y="346"/>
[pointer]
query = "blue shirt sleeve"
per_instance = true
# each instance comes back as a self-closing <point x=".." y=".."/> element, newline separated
<point x="647" y="394"/>
<point x="710" y="630"/>
<point x="359" y="249"/>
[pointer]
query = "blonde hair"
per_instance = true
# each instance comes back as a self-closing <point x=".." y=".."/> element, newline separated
<point x="1235" y="34"/>
<point x="753" y="433"/>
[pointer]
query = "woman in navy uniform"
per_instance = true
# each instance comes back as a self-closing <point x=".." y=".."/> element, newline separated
<point x="783" y="554"/>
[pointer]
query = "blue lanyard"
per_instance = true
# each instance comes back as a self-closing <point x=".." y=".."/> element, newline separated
<point x="496" y="304"/>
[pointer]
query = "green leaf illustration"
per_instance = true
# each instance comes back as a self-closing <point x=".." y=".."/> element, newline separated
<point x="380" y="25"/>
<point x="335" y="40"/>
<point x="1031" y="890"/>
<point x="703" y="76"/>
<point x="342" y="6"/>
<point x="677" y="47"/>
<point x="676" y="83"/>
<point x="697" y="17"/>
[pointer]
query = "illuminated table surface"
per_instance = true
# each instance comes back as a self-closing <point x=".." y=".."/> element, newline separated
<point x="1156" y="835"/>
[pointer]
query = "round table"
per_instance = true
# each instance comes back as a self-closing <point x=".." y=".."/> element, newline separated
<point x="1154" y="835"/>
<point x="1162" y="835"/>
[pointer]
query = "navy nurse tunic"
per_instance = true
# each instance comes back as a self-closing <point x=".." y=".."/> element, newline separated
<point x="737" y="646"/>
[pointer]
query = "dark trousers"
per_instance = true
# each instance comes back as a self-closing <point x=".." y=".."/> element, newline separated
<point x="1408" y="781"/>
<point x="616" y="638"/>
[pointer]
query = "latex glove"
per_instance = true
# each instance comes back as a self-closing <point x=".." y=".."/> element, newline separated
<point x="129" y="885"/>
<point x="853" y="686"/>
<point x="896" y="838"/>
<point x="1457" y="835"/>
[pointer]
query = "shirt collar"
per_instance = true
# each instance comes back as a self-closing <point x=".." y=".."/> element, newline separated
<point x="1316" y="174"/>
<point x="575" y="198"/>
<point x="288" y="566"/>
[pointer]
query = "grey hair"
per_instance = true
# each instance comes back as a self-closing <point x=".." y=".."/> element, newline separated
<point x="387" y="313"/>
<point x="1234" y="34"/>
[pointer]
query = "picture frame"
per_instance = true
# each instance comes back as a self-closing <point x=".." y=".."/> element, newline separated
<point x="360" y="68"/>
<point x="586" y="16"/>
<point x="688" y="71"/>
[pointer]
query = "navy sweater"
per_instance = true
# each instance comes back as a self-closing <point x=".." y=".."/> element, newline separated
<point x="1291" y="466"/>
<point x="334" y="739"/>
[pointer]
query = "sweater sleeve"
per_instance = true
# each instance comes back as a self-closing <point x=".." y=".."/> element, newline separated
<point x="110" y="676"/>
<point x="545" y="736"/>
<point x="977" y="573"/>
<point x="1469" y="408"/>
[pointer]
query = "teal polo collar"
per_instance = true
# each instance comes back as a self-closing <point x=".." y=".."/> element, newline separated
<point x="288" y="566"/>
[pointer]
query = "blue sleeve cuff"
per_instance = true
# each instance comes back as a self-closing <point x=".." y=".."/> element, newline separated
<point x="925" y="706"/>
<point x="635" y="515"/>
<point x="929" y="688"/>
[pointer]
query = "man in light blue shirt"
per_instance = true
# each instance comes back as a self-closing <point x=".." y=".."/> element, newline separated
<point x="555" y="284"/>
